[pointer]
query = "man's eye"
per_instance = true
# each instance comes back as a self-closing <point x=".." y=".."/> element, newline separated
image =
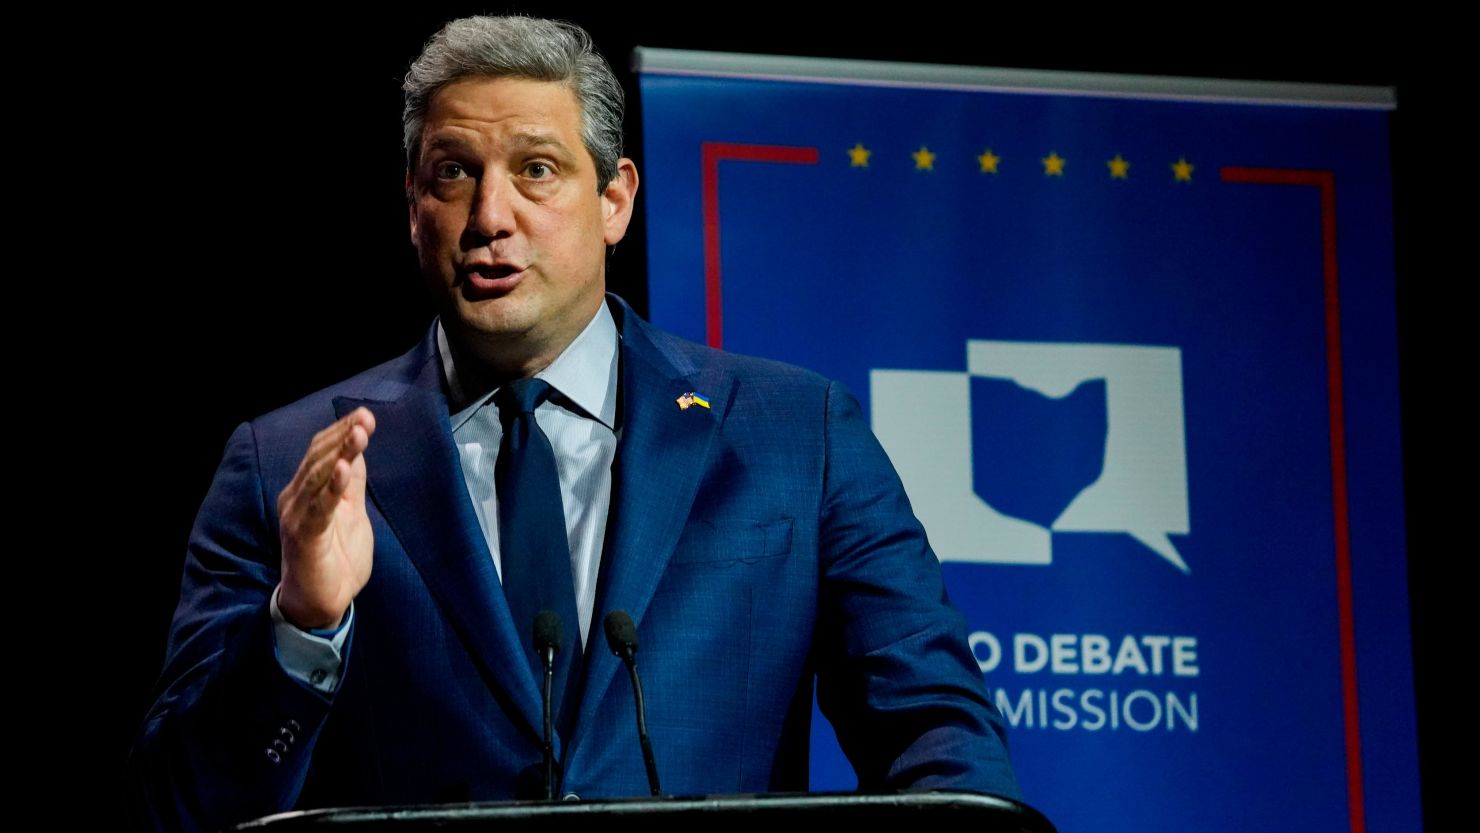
<point x="537" y="170"/>
<point x="449" y="170"/>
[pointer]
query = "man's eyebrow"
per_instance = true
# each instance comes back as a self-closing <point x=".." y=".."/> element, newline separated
<point x="523" y="140"/>
<point x="444" y="142"/>
<point x="527" y="140"/>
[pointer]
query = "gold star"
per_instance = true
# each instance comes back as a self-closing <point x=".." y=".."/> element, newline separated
<point x="924" y="159"/>
<point x="1053" y="164"/>
<point x="988" y="160"/>
<point x="1119" y="168"/>
<point x="859" y="155"/>
<point x="1182" y="170"/>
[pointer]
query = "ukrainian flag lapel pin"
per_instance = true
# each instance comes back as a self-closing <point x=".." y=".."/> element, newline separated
<point x="690" y="399"/>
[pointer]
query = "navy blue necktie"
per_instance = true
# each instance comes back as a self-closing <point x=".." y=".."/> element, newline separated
<point x="533" y="548"/>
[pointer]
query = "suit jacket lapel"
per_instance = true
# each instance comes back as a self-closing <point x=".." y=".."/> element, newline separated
<point x="416" y="481"/>
<point x="660" y="463"/>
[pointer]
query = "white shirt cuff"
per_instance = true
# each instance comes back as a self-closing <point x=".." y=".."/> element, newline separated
<point x="311" y="659"/>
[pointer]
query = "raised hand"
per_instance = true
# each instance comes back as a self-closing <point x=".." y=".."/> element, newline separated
<point x="325" y="532"/>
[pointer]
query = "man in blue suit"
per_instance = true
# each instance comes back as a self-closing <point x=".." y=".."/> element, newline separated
<point x="349" y="632"/>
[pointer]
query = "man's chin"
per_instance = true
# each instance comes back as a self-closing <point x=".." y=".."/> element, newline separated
<point x="498" y="332"/>
<point x="501" y="319"/>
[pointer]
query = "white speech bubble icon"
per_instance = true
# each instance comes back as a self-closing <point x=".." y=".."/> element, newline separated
<point x="923" y="419"/>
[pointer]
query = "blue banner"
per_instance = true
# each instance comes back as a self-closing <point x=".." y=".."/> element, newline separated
<point x="1135" y="361"/>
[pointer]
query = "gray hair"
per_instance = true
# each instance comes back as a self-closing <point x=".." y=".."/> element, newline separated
<point x="520" y="47"/>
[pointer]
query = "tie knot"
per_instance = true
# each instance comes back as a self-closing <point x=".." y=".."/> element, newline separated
<point x="521" y="396"/>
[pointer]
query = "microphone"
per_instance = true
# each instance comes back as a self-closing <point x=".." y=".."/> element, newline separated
<point x="621" y="637"/>
<point x="547" y="640"/>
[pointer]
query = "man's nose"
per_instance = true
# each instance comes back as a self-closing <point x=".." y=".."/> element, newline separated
<point x="492" y="211"/>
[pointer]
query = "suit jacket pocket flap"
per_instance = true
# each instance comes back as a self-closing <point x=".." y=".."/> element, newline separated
<point x="705" y="542"/>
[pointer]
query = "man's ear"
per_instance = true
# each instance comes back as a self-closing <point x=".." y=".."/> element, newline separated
<point x="411" y="205"/>
<point x="617" y="200"/>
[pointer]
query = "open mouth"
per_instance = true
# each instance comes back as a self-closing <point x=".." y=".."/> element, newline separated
<point x="485" y="279"/>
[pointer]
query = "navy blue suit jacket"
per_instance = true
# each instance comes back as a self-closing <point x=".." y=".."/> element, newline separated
<point x="757" y="544"/>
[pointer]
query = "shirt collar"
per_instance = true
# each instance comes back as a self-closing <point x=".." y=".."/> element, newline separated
<point x="584" y="374"/>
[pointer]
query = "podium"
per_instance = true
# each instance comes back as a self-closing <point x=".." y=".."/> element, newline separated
<point x="912" y="811"/>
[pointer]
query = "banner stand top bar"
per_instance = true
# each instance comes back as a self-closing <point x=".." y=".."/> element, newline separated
<point x="651" y="61"/>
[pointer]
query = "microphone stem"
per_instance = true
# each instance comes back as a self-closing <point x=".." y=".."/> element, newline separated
<point x="549" y="727"/>
<point x="642" y="733"/>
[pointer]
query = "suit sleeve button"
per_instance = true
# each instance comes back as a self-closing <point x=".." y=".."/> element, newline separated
<point x="272" y="755"/>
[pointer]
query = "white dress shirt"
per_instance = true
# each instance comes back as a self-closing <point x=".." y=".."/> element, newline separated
<point x="580" y="420"/>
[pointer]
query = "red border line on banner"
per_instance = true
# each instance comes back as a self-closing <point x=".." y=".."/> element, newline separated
<point x="712" y="153"/>
<point x="1326" y="181"/>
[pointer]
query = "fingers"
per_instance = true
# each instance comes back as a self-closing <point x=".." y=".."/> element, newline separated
<point x="326" y="471"/>
<point x="357" y="426"/>
<point x="341" y="442"/>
